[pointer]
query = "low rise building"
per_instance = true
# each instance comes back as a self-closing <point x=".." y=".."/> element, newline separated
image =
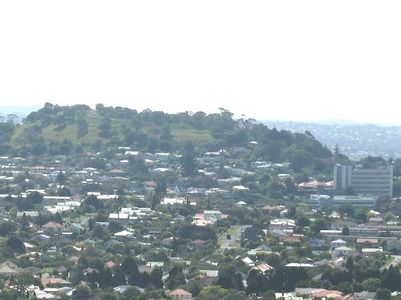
<point x="367" y="181"/>
<point x="325" y="201"/>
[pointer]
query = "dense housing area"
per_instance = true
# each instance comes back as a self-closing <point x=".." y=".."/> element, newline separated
<point x="117" y="204"/>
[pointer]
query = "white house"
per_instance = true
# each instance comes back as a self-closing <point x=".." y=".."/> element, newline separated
<point x="282" y="223"/>
<point x="240" y="188"/>
<point x="248" y="261"/>
<point x="124" y="234"/>
<point x="338" y="243"/>
<point x="342" y="251"/>
<point x="212" y="215"/>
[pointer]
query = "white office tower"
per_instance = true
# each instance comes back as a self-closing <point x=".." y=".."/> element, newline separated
<point x="377" y="182"/>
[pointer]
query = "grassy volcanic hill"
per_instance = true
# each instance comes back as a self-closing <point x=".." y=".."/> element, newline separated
<point x="69" y="130"/>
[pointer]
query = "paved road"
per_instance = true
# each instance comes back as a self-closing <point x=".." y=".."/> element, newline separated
<point x="235" y="232"/>
<point x="396" y="261"/>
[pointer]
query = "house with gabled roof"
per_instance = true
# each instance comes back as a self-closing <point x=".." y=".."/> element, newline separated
<point x="9" y="268"/>
<point x="180" y="294"/>
<point x="51" y="226"/>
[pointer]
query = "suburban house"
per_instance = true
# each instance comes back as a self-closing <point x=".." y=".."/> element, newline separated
<point x="9" y="268"/>
<point x="342" y="251"/>
<point x="338" y="243"/>
<point x="180" y="294"/>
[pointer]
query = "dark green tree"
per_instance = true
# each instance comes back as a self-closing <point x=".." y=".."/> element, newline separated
<point x="105" y="128"/>
<point x="58" y="219"/>
<point x="82" y="128"/>
<point x="156" y="278"/>
<point x="161" y="187"/>
<point x="303" y="221"/>
<point x="93" y="201"/>
<point x="119" y="278"/>
<point x="188" y="162"/>
<point x="175" y="277"/>
<point x="361" y="215"/>
<point x="105" y="278"/>
<point x="349" y="264"/>
<point x="317" y="225"/>
<point x="99" y="232"/>
<point x="64" y="192"/>
<point x="257" y="283"/>
<point x="16" y="244"/>
<point x="129" y="266"/>
<point x="391" y="278"/>
<point x="155" y="200"/>
<point x="345" y="230"/>
<point x="34" y="198"/>
<point x="7" y="228"/>
<point x="24" y="222"/>
<point x="383" y="294"/>
<point x="115" y="227"/>
<point x="229" y="278"/>
<point x="61" y="178"/>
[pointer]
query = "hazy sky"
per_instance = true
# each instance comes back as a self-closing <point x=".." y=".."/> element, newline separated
<point x="293" y="60"/>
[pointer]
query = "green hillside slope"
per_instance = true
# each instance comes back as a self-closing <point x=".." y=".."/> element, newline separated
<point x="69" y="130"/>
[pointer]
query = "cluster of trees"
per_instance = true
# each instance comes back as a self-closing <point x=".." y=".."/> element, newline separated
<point x="359" y="214"/>
<point x="7" y="129"/>
<point x="281" y="279"/>
<point x="193" y="232"/>
<point x="258" y="283"/>
<point x="94" y="272"/>
<point x="29" y="202"/>
<point x="362" y="274"/>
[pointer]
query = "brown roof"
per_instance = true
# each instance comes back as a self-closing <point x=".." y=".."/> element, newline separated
<point x="268" y="207"/>
<point x="323" y="293"/>
<point x="54" y="281"/>
<point x="117" y="171"/>
<point x="366" y="240"/>
<point x="9" y="267"/>
<point x="198" y="242"/>
<point x="52" y="224"/>
<point x="264" y="267"/>
<point x="180" y="292"/>
<point x="291" y="239"/>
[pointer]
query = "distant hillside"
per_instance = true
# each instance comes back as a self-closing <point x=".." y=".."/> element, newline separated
<point x="68" y="130"/>
<point x="15" y="113"/>
<point x="354" y="140"/>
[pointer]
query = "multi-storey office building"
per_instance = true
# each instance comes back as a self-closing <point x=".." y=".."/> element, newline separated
<point x="377" y="182"/>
